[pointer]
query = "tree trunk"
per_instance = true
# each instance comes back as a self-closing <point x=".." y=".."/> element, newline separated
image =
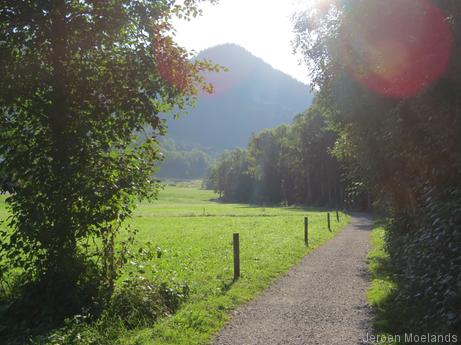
<point x="61" y="244"/>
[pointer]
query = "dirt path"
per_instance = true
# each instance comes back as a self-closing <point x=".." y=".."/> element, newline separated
<point x="320" y="301"/>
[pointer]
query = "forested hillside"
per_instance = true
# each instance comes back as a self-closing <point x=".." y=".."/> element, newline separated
<point x="250" y="96"/>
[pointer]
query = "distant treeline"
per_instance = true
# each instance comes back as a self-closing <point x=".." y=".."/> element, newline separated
<point x="287" y="164"/>
<point x="183" y="163"/>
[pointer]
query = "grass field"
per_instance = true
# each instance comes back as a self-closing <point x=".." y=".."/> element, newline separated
<point x="194" y="237"/>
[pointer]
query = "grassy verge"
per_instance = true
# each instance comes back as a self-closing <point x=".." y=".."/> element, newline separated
<point x="389" y="316"/>
<point x="192" y="237"/>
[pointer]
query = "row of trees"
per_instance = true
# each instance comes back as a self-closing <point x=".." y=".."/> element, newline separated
<point x="288" y="164"/>
<point x="187" y="165"/>
<point x="390" y="75"/>
<point x="182" y="163"/>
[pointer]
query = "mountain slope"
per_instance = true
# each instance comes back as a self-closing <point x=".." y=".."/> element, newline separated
<point x="249" y="97"/>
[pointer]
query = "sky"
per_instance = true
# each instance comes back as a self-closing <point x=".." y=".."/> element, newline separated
<point x="262" y="27"/>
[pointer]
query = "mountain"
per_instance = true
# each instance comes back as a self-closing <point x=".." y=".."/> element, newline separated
<point x="250" y="96"/>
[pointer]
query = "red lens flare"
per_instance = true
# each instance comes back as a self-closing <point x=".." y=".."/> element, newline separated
<point x="172" y="64"/>
<point x="396" y="48"/>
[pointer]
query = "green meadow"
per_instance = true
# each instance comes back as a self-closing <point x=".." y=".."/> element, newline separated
<point x="192" y="237"/>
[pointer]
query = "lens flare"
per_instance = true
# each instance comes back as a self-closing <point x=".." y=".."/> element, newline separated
<point x="396" y="48"/>
<point x="172" y="63"/>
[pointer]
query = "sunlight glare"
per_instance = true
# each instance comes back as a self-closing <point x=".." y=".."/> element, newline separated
<point x="396" y="48"/>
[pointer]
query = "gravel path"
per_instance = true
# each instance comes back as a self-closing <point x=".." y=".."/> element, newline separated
<point x="320" y="301"/>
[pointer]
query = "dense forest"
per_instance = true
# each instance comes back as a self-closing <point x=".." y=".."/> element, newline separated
<point x="289" y="164"/>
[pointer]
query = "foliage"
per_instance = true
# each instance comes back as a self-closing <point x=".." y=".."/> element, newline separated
<point x="141" y="302"/>
<point x="79" y="80"/>
<point x="183" y="163"/>
<point x="136" y="303"/>
<point x="425" y="249"/>
<point x="231" y="176"/>
<point x="287" y="164"/>
<point x="399" y="128"/>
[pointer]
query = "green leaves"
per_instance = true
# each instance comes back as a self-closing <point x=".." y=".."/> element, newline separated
<point x="286" y="164"/>
<point x="79" y="80"/>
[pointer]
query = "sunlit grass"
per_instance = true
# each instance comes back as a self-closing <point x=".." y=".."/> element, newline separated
<point x="195" y="236"/>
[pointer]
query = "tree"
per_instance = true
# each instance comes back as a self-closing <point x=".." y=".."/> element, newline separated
<point x="232" y="176"/>
<point x="79" y="80"/>
<point x="266" y="148"/>
<point x="317" y="168"/>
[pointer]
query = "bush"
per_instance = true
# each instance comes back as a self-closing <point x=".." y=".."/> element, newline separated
<point x="140" y="302"/>
<point x="136" y="302"/>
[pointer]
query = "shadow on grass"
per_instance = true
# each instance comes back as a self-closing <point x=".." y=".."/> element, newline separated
<point x="227" y="285"/>
<point x="291" y="207"/>
<point x="34" y="312"/>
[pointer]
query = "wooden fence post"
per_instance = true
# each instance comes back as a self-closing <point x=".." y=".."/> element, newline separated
<point x="306" y="229"/>
<point x="337" y="215"/>
<point x="236" y="243"/>
<point x="328" y="221"/>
